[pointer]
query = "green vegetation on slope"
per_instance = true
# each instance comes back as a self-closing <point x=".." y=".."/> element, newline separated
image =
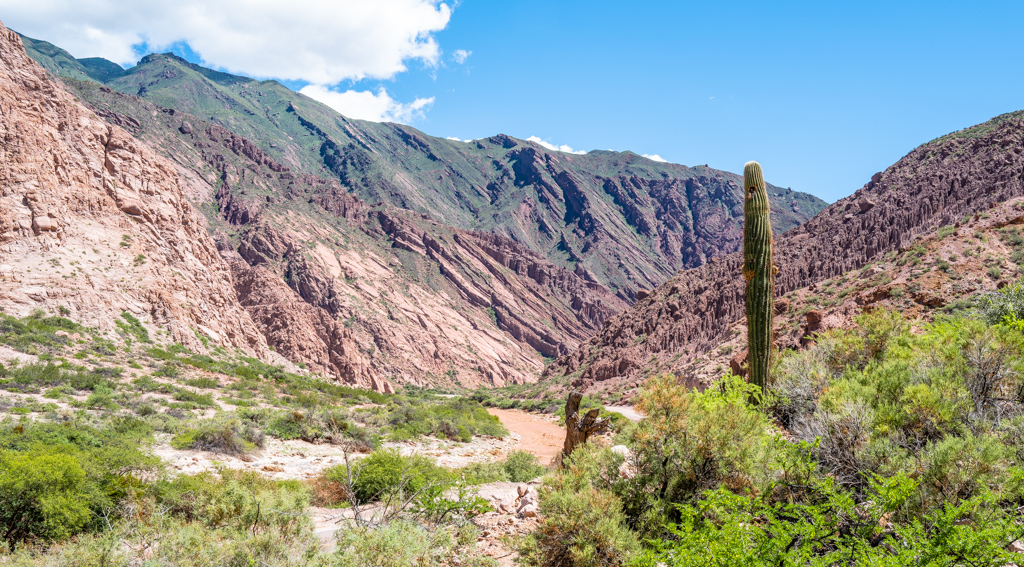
<point x="79" y="484"/>
<point x="877" y="446"/>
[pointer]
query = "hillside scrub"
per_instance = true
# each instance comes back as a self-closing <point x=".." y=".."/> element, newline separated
<point x="584" y="523"/>
<point x="232" y="518"/>
<point x="875" y="446"/>
<point x="80" y="486"/>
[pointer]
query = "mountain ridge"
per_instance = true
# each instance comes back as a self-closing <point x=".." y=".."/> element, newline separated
<point x="650" y="228"/>
<point x="937" y="183"/>
<point x="447" y="263"/>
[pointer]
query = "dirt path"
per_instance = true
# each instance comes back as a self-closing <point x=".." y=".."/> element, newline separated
<point x="627" y="411"/>
<point x="537" y="434"/>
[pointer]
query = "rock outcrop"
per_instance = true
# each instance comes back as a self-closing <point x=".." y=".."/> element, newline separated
<point x="424" y="303"/>
<point x="979" y="254"/>
<point x="300" y="331"/>
<point x="93" y="223"/>
<point x="937" y="184"/>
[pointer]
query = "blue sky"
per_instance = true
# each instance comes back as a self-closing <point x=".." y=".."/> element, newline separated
<point x="823" y="94"/>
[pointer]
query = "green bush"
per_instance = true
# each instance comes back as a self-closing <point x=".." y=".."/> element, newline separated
<point x="871" y="338"/>
<point x="232" y="518"/>
<point x="457" y="419"/>
<point x="31" y="378"/>
<point x="320" y="425"/>
<point x="386" y="473"/>
<point x="518" y="466"/>
<point x="726" y="529"/>
<point x="203" y="382"/>
<point x="521" y="466"/>
<point x="236" y="500"/>
<point x="37" y="330"/>
<point x="59" y="479"/>
<point x="583" y="525"/>
<point x="692" y="441"/>
<point x="44" y="495"/>
<point x="482" y="473"/>
<point x="132" y="327"/>
<point x="405" y="543"/>
<point x="797" y="382"/>
<point x="222" y="436"/>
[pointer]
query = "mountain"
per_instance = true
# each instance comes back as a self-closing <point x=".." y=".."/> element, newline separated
<point x="941" y="183"/>
<point x="95" y="225"/>
<point x="443" y="262"/>
<point x="628" y="221"/>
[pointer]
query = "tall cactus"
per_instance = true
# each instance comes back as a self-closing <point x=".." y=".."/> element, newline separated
<point x="759" y="270"/>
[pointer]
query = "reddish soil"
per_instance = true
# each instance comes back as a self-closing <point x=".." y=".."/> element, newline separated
<point x="537" y="434"/>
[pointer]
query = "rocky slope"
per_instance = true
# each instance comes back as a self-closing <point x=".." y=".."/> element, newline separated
<point x="627" y="222"/>
<point x="937" y="273"/>
<point x="939" y="183"/>
<point x="424" y="303"/>
<point x="476" y="261"/>
<point x="94" y="224"/>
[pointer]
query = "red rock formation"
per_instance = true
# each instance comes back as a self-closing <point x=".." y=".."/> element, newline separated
<point x="937" y="184"/>
<point x="300" y="331"/>
<point x="93" y="221"/>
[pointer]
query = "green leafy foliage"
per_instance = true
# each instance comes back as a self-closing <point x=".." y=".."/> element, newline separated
<point x="232" y="436"/>
<point x="521" y="466"/>
<point x="692" y="441"/>
<point x="518" y="466"/>
<point x="37" y="330"/>
<point x="58" y="479"/>
<point x="583" y="524"/>
<point x="727" y="529"/>
<point x="131" y="326"/>
<point x="386" y="473"/>
<point x="458" y="419"/>
<point x="405" y="543"/>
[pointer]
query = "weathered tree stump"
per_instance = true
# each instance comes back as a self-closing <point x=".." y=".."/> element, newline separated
<point x="577" y="430"/>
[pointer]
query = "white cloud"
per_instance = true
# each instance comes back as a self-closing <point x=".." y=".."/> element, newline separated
<point x="655" y="157"/>
<point x="454" y="139"/>
<point x="367" y="105"/>
<point x="318" y="41"/>
<point x="552" y="147"/>
<point x="461" y="55"/>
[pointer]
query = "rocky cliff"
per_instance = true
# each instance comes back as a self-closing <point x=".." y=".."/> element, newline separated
<point x="939" y="183"/>
<point x="93" y="223"/>
<point x="424" y="303"/>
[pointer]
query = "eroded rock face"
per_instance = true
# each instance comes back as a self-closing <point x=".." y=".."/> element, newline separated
<point x="462" y="307"/>
<point x="300" y="331"/>
<point x="937" y="184"/>
<point x="424" y="303"/>
<point x="94" y="222"/>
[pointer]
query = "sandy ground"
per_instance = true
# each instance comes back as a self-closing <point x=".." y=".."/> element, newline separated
<point x="538" y="434"/>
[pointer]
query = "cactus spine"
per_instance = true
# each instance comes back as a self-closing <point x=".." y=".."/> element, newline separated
<point x="759" y="270"/>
